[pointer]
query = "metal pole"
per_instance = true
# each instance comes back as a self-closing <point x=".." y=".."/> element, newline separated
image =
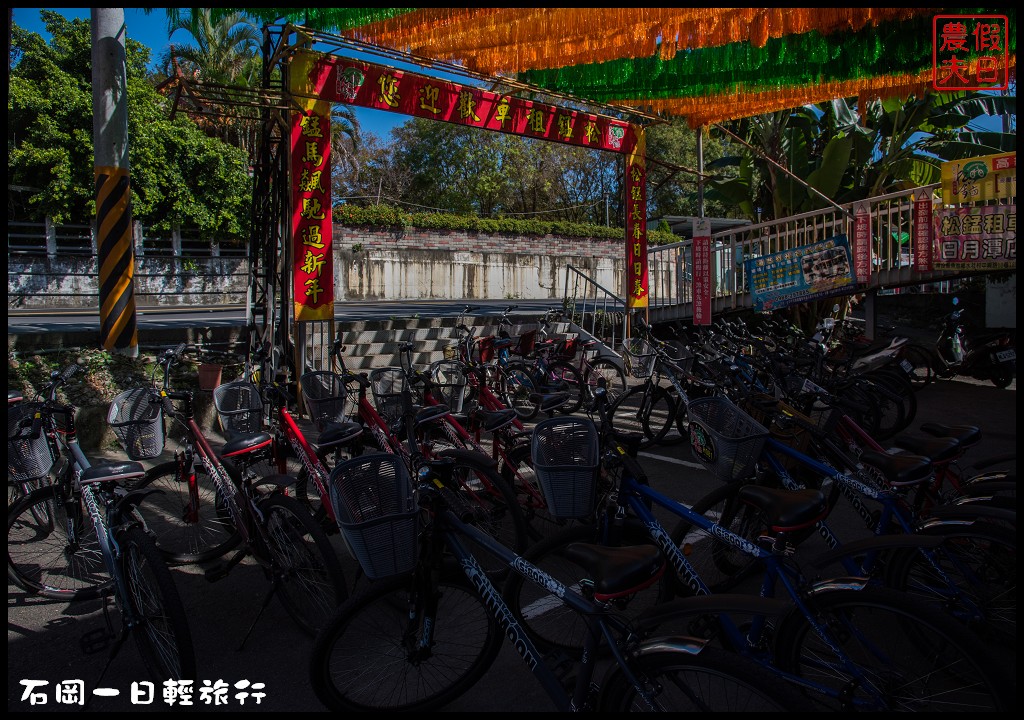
<point x="700" y="171"/>
<point x="114" y="245"/>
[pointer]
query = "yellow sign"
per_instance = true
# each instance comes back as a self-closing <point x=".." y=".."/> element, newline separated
<point x="980" y="179"/>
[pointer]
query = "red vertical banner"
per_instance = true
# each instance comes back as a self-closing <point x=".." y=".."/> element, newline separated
<point x="312" y="226"/>
<point x="922" y="231"/>
<point x="862" y="244"/>
<point x="701" y="271"/>
<point x="636" y="223"/>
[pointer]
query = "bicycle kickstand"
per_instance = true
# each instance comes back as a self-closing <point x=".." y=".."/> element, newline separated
<point x="266" y="601"/>
<point x="98" y="639"/>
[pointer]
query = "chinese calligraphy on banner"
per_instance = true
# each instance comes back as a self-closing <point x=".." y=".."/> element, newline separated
<point x="976" y="238"/>
<point x="636" y="225"/>
<point x="922" y="231"/>
<point x="374" y="86"/>
<point x="312" y="224"/>
<point x="970" y="52"/>
<point x="862" y="243"/>
<point x="701" y="271"/>
<point x="980" y="179"/>
<point x="801" y="274"/>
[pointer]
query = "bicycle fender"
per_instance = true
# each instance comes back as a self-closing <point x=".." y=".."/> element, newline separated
<point x="277" y="480"/>
<point x="874" y="543"/>
<point x="129" y="500"/>
<point x="976" y="510"/>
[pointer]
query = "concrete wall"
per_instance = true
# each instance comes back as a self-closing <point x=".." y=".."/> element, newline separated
<point x="412" y="264"/>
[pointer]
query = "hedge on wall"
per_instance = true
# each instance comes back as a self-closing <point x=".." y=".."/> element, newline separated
<point x="386" y="216"/>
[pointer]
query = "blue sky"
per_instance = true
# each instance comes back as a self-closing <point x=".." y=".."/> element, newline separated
<point x="151" y="31"/>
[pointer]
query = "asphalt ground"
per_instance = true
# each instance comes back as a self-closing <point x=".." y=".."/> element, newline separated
<point x="44" y="636"/>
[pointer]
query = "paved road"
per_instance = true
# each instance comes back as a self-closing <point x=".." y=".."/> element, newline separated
<point x="43" y="636"/>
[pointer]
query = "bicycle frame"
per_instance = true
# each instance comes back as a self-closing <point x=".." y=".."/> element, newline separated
<point x="777" y="572"/>
<point x="601" y="625"/>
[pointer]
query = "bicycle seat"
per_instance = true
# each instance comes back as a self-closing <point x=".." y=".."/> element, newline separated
<point x="431" y="413"/>
<point x="936" y="449"/>
<point x="549" y="402"/>
<point x="620" y="569"/>
<point x="900" y="470"/>
<point x="244" y="444"/>
<point x="966" y="435"/>
<point x="128" y="470"/>
<point x="339" y="433"/>
<point x="495" y="420"/>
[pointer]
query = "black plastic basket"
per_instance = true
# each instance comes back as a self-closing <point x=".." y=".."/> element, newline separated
<point x="723" y="437"/>
<point x="566" y="459"/>
<point x="325" y="396"/>
<point x="449" y="378"/>
<point x="28" y="458"/>
<point x="138" y="423"/>
<point x="373" y="500"/>
<point x="239" y="408"/>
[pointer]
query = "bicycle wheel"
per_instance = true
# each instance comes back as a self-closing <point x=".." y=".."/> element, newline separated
<point x="912" y="657"/>
<point x="492" y="504"/>
<point x="43" y="559"/>
<point x="614" y="379"/>
<point x="516" y="390"/>
<point x="899" y="383"/>
<point x="560" y="376"/>
<point x="161" y="629"/>
<point x="305" y="570"/>
<point x="981" y="560"/>
<point x="551" y="624"/>
<point x="891" y="412"/>
<point x="369" y="655"/>
<point x="720" y="565"/>
<point x="191" y="523"/>
<point x="645" y="409"/>
<point x="711" y="680"/>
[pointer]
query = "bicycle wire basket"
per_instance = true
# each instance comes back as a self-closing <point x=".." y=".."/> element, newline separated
<point x="566" y="460"/>
<point x="725" y="438"/>
<point x="639" y="357"/>
<point x="239" y="407"/>
<point x="373" y="500"/>
<point x="137" y="418"/>
<point x="28" y="458"/>
<point x="449" y="379"/>
<point x="326" y="397"/>
<point x="387" y="385"/>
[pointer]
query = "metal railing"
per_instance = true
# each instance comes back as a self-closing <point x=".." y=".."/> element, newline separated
<point x="595" y="309"/>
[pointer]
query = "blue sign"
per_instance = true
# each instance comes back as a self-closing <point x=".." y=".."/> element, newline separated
<point x="801" y="274"/>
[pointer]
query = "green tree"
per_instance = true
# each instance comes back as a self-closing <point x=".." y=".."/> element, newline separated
<point x="671" y="171"/>
<point x="178" y="174"/>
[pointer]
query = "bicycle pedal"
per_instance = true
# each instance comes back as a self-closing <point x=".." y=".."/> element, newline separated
<point x="95" y="641"/>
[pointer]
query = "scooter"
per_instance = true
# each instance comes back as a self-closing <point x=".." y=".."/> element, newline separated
<point x="991" y="357"/>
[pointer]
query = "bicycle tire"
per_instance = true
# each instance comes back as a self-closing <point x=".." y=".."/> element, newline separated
<point x="552" y="625"/>
<point x="363" y="659"/>
<point x="162" y="635"/>
<point x="496" y="509"/>
<point x="305" y="569"/>
<point x="712" y="680"/>
<point x="917" y="659"/>
<point x="645" y="409"/>
<point x="39" y="559"/>
<point x="210" y="533"/>
<point x="720" y="565"/>
<point x="614" y="376"/>
<point x="517" y="389"/>
<point x="561" y="376"/>
<point x="891" y="412"/>
<point x="982" y="560"/>
<point x="899" y="383"/>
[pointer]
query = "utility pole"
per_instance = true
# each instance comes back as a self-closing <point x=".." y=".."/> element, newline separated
<point x="114" y="242"/>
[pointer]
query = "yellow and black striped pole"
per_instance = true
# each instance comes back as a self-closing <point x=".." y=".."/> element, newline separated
<point x="116" y="260"/>
<point x="114" y="246"/>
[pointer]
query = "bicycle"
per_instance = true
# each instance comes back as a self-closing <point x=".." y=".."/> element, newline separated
<point x="423" y="634"/>
<point x="209" y="505"/>
<point x="815" y="641"/>
<point x="475" y="475"/>
<point x="535" y="356"/>
<point x="82" y="538"/>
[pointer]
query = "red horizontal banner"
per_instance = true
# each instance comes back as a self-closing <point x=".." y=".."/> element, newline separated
<point x="364" y="84"/>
